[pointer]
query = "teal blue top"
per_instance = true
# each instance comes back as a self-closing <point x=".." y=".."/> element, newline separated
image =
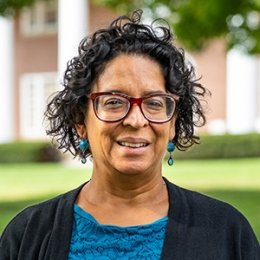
<point x="91" y="240"/>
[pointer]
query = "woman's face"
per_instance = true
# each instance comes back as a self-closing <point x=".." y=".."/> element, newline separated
<point x="132" y="145"/>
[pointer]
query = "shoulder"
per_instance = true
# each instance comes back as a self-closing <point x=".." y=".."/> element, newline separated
<point x="214" y="219"/>
<point x="52" y="206"/>
<point x="202" y="207"/>
<point x="36" y="221"/>
<point x="207" y="227"/>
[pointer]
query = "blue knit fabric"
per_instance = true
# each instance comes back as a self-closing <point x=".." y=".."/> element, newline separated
<point x="91" y="240"/>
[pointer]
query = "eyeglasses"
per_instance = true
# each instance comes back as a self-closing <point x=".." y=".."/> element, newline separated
<point x="113" y="106"/>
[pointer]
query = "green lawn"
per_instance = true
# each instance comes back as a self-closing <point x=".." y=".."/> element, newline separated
<point x="233" y="181"/>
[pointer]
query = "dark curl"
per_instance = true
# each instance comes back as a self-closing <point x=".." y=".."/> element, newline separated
<point x="125" y="35"/>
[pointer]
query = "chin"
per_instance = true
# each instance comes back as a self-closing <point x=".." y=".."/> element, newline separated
<point x="132" y="168"/>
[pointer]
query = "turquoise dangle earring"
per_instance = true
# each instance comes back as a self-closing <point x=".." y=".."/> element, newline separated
<point x="83" y="146"/>
<point x="170" y="149"/>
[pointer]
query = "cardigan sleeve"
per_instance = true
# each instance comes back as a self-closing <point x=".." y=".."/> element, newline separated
<point x="247" y="245"/>
<point x="37" y="231"/>
<point x="11" y="238"/>
<point x="234" y="237"/>
<point x="204" y="228"/>
<point x="28" y="234"/>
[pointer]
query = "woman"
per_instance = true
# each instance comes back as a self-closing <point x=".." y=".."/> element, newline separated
<point x="128" y="97"/>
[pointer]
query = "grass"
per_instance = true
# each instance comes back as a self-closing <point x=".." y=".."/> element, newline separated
<point x="234" y="181"/>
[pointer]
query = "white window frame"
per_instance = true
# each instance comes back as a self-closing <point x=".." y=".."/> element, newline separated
<point x="33" y="101"/>
<point x="38" y="12"/>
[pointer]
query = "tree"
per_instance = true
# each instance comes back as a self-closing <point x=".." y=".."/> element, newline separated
<point x="196" y="22"/>
<point x="10" y="7"/>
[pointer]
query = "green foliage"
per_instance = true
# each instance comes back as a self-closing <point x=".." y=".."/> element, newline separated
<point x="196" y="22"/>
<point x="201" y="20"/>
<point x="223" y="146"/>
<point x="10" y="7"/>
<point x="23" y="152"/>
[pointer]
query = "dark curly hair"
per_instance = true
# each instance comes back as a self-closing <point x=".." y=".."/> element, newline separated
<point x="125" y="35"/>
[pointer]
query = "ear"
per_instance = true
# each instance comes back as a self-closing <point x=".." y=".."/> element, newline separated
<point x="81" y="130"/>
<point x="172" y="129"/>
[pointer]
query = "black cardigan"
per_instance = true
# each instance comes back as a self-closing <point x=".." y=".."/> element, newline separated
<point x="199" y="227"/>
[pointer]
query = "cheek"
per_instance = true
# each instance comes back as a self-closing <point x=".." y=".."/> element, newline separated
<point x="163" y="134"/>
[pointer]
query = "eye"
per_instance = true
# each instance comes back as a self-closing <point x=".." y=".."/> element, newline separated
<point x="113" y="102"/>
<point x="154" y="103"/>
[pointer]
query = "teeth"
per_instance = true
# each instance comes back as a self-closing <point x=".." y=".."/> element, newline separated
<point x="134" y="145"/>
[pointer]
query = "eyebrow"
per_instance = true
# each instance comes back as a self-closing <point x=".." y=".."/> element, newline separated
<point x="146" y="93"/>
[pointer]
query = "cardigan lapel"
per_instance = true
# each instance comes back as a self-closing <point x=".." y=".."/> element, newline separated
<point x="59" y="243"/>
<point x="176" y="227"/>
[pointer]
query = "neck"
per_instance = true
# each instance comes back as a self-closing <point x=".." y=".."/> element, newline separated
<point x="125" y="188"/>
<point x="125" y="199"/>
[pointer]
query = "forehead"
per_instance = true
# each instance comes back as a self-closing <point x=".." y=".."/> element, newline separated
<point x="131" y="74"/>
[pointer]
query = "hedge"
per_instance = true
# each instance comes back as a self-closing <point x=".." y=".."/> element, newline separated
<point x="223" y="146"/>
<point x="24" y="152"/>
<point x="211" y="147"/>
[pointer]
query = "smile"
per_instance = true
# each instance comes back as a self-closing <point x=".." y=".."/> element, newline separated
<point x="132" y="145"/>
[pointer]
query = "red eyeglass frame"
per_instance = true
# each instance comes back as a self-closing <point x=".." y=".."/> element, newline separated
<point x="133" y="101"/>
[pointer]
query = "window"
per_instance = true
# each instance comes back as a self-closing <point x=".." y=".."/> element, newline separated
<point x="39" y="19"/>
<point x="35" y="90"/>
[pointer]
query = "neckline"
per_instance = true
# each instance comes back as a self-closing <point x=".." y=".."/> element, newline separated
<point x="88" y="216"/>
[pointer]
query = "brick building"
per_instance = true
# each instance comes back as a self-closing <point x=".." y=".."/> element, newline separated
<point x="37" y="43"/>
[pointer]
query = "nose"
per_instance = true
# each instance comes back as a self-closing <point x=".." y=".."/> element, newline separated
<point x="135" y="118"/>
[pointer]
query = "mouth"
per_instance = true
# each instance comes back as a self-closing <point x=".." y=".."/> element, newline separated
<point x="133" y="145"/>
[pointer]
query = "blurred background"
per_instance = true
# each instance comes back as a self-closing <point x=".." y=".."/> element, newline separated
<point x="221" y="39"/>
